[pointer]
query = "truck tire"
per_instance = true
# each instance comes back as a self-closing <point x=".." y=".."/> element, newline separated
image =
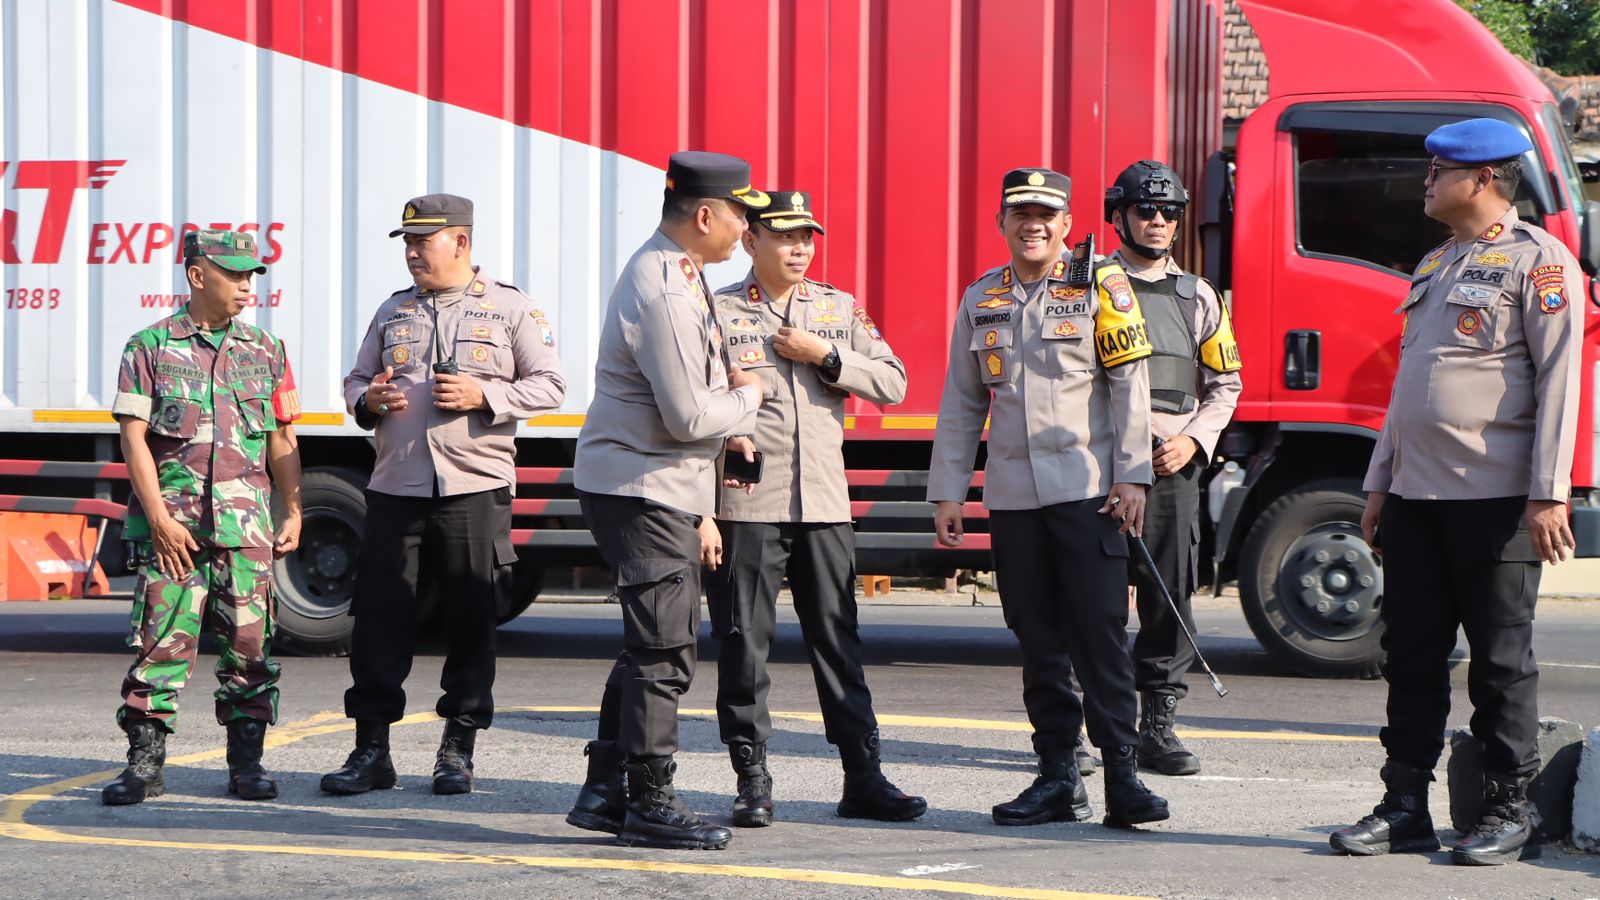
<point x="524" y="580"/>
<point x="315" y="583"/>
<point x="1310" y="586"/>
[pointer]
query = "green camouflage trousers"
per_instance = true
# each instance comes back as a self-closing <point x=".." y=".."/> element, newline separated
<point x="230" y="594"/>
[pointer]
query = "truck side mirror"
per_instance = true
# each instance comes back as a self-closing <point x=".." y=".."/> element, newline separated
<point x="1589" y="238"/>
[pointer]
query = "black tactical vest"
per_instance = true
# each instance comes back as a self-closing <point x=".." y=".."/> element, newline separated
<point x="1174" y="366"/>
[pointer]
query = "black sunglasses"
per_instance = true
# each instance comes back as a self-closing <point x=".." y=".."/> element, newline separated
<point x="1147" y="211"/>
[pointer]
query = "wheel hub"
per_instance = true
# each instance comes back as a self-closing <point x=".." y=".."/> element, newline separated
<point x="1334" y="581"/>
<point x="321" y="574"/>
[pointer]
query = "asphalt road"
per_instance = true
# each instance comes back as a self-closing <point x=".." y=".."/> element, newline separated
<point x="1287" y="760"/>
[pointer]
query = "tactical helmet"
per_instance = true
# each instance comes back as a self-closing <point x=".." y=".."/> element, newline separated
<point x="1146" y="181"/>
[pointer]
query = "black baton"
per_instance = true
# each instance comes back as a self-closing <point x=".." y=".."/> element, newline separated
<point x="1150" y="565"/>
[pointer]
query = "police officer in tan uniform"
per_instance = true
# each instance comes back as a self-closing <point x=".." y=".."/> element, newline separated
<point x="1059" y="369"/>
<point x="813" y="346"/>
<point x="1467" y="491"/>
<point x="1194" y="388"/>
<point x="665" y="400"/>
<point x="448" y="368"/>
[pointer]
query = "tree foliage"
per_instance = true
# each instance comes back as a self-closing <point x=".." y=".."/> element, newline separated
<point x="1561" y="34"/>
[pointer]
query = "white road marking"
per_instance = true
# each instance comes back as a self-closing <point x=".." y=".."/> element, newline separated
<point x="935" y="870"/>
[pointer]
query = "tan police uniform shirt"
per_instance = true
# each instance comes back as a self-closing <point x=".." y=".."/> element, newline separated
<point x="662" y="408"/>
<point x="1218" y="390"/>
<point x="800" y="426"/>
<point x="1061" y="374"/>
<point x="500" y="339"/>
<point x="1485" y="401"/>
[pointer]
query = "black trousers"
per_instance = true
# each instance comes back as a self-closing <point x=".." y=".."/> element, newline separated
<point x="742" y="595"/>
<point x="655" y="553"/>
<point x="1467" y="564"/>
<point x="454" y="546"/>
<point x="1161" y="654"/>
<point x="1063" y="579"/>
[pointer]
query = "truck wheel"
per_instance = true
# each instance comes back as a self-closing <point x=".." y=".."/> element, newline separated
<point x="1310" y="586"/>
<point x="524" y="581"/>
<point x="315" y="582"/>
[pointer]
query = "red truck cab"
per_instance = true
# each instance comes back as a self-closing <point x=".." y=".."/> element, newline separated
<point x="1320" y="224"/>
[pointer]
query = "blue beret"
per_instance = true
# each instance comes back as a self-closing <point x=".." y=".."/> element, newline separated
<point x="1477" y="141"/>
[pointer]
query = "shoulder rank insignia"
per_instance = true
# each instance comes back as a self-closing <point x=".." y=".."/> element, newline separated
<point x="1433" y="261"/>
<point x="803" y="289"/>
<point x="754" y="293"/>
<point x="478" y="287"/>
<point x="1005" y="277"/>
<point x="1060" y="268"/>
<point x="1492" y="232"/>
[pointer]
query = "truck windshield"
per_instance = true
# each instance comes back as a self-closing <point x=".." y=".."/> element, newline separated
<point x="1566" y="167"/>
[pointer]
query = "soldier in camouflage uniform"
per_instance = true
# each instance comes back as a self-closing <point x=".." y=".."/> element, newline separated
<point x="205" y="405"/>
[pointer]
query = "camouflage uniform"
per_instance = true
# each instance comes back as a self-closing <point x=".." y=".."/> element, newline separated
<point x="211" y="398"/>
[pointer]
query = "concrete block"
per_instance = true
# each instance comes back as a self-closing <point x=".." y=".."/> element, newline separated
<point x="1560" y="746"/>
<point x="1586" y="796"/>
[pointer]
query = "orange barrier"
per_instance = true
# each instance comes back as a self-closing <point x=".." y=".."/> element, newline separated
<point x="49" y="555"/>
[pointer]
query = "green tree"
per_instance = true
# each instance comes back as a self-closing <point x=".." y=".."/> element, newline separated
<point x="1566" y="35"/>
<point x="1509" y="20"/>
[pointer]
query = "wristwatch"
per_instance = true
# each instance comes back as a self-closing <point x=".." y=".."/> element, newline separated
<point x="831" y="361"/>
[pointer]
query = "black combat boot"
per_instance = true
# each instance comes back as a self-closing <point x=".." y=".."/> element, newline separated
<point x="602" y="802"/>
<point x="246" y="740"/>
<point x="1057" y="795"/>
<point x="368" y="766"/>
<point x="1128" y="801"/>
<point x="452" y="770"/>
<point x="1505" y="825"/>
<point x="1159" y="748"/>
<point x="1400" y="823"/>
<point x="147" y="753"/>
<point x="867" y="793"/>
<point x="657" y="818"/>
<point x="1081" y="755"/>
<point x="753" y="807"/>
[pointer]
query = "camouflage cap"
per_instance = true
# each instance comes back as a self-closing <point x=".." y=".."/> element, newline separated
<point x="232" y="250"/>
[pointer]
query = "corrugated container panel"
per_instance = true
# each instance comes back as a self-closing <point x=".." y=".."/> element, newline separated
<point x="312" y="121"/>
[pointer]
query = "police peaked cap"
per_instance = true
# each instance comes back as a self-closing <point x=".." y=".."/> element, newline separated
<point x="789" y="211"/>
<point x="1044" y="187"/>
<point x="701" y="175"/>
<point x="1146" y="181"/>
<point x="432" y="212"/>
<point x="1474" y="141"/>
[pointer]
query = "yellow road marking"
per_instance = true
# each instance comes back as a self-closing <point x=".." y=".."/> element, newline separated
<point x="15" y="807"/>
<point x="1003" y="725"/>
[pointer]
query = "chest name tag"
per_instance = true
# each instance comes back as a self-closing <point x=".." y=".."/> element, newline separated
<point x="175" y="370"/>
